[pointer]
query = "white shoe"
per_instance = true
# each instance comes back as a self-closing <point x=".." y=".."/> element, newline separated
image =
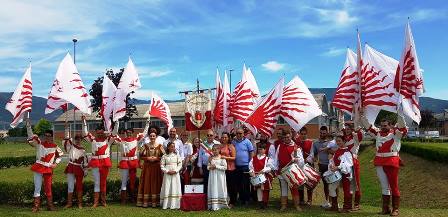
<point x="326" y="204"/>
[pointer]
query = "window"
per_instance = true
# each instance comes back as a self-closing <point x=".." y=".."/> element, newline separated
<point x="59" y="128"/>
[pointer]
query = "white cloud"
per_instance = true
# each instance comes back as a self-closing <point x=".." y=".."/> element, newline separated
<point x="145" y="72"/>
<point x="8" y="84"/>
<point x="273" y="66"/>
<point x="333" y="52"/>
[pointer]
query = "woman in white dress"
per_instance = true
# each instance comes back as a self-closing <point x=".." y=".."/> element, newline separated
<point x="170" y="193"/>
<point x="217" y="186"/>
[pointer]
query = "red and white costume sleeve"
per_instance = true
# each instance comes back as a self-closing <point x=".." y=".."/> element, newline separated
<point x="353" y="141"/>
<point x="286" y="153"/>
<point x="343" y="160"/>
<point x="100" y="148"/>
<point x="77" y="158"/>
<point x="388" y="144"/>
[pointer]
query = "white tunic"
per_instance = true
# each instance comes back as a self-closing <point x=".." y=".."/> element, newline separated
<point x="171" y="192"/>
<point x="217" y="185"/>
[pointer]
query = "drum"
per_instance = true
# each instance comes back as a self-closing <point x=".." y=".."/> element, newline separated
<point x="293" y="175"/>
<point x="312" y="177"/>
<point x="258" y="179"/>
<point x="332" y="177"/>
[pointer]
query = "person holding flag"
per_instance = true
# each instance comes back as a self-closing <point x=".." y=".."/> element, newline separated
<point x="48" y="155"/>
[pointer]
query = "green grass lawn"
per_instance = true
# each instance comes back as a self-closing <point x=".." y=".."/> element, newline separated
<point x="423" y="186"/>
<point x="439" y="146"/>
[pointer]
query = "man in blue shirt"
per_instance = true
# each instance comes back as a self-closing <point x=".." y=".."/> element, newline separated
<point x="244" y="153"/>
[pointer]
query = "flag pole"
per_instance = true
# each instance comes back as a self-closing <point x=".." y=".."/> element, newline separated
<point x="74" y="107"/>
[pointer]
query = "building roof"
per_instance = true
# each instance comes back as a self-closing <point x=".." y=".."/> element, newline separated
<point x="177" y="109"/>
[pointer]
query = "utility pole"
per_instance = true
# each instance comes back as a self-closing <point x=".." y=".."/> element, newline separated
<point x="74" y="108"/>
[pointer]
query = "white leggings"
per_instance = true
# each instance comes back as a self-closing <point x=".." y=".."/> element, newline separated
<point x="332" y="188"/>
<point x="284" y="187"/>
<point x="37" y="184"/>
<point x="96" y="179"/>
<point x="259" y="194"/>
<point x="124" y="178"/>
<point x="70" y="182"/>
<point x="385" y="189"/>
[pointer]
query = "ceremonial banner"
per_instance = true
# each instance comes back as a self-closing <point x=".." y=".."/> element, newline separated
<point x="218" y="111"/>
<point x="298" y="104"/>
<point x="158" y="108"/>
<point x="348" y="88"/>
<point x="377" y="79"/>
<point x="409" y="78"/>
<point x="22" y="99"/>
<point x="108" y="97"/>
<point x="68" y="87"/>
<point x="129" y="82"/>
<point x="198" y="111"/>
<point x="265" y="116"/>
<point x="245" y="96"/>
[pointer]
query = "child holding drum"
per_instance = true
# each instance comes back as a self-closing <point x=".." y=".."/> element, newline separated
<point x="260" y="167"/>
<point x="340" y="171"/>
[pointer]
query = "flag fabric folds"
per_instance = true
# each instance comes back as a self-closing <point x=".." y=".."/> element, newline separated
<point x="22" y="99"/>
<point x="129" y="82"/>
<point x="107" y="106"/>
<point x="298" y="104"/>
<point x="245" y="96"/>
<point x="265" y="116"/>
<point x="409" y="78"/>
<point x="68" y="87"/>
<point x="158" y="108"/>
<point x="218" y="111"/>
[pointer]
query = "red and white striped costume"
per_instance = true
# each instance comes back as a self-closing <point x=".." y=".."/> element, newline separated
<point x="352" y="142"/>
<point x="100" y="160"/>
<point x="77" y="163"/>
<point x="387" y="158"/>
<point x="343" y="160"/>
<point x="285" y="154"/>
<point x="48" y="154"/>
<point x="262" y="164"/>
<point x="129" y="161"/>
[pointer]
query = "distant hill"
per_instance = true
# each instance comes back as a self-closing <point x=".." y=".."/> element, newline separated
<point x="39" y="104"/>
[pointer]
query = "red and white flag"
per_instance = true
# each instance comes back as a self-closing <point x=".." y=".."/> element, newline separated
<point x="348" y="88"/>
<point x="22" y="99"/>
<point x="245" y="96"/>
<point x="107" y="106"/>
<point x="129" y="82"/>
<point x="409" y="78"/>
<point x="218" y="111"/>
<point x="158" y="108"/>
<point x="227" y="120"/>
<point x="298" y="104"/>
<point x="377" y="79"/>
<point x="68" y="87"/>
<point x="265" y="116"/>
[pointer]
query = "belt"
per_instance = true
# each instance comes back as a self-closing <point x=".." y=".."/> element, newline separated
<point x="100" y="156"/>
<point x="44" y="163"/>
<point x="387" y="154"/>
<point x="129" y="158"/>
<point x="76" y="164"/>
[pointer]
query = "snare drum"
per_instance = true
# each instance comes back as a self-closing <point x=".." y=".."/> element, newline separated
<point x="293" y="175"/>
<point x="312" y="176"/>
<point x="258" y="179"/>
<point x="332" y="177"/>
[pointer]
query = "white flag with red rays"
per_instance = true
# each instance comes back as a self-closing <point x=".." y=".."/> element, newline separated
<point x="107" y="105"/>
<point x="218" y="111"/>
<point x="22" y="99"/>
<point x="158" y="108"/>
<point x="129" y="82"/>
<point x="68" y="87"/>
<point x="244" y="97"/>
<point x="227" y="120"/>
<point x="409" y="78"/>
<point x="265" y="116"/>
<point x="377" y="79"/>
<point x="348" y="87"/>
<point x="298" y="104"/>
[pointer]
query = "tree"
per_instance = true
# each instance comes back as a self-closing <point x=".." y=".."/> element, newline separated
<point x="97" y="89"/>
<point x="392" y="117"/>
<point x="428" y="119"/>
<point x="42" y="126"/>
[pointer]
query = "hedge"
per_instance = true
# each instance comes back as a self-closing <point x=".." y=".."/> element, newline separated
<point x="428" y="140"/>
<point x="22" y="193"/>
<point x="426" y="152"/>
<point x="7" y="162"/>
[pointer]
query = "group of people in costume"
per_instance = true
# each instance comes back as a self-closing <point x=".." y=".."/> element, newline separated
<point x="234" y="168"/>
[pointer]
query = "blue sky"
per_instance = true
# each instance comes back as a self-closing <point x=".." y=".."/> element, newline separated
<point x="174" y="42"/>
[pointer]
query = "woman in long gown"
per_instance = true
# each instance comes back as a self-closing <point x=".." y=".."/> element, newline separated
<point x="228" y="153"/>
<point x="171" y="191"/>
<point x="151" y="176"/>
<point x="217" y="186"/>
